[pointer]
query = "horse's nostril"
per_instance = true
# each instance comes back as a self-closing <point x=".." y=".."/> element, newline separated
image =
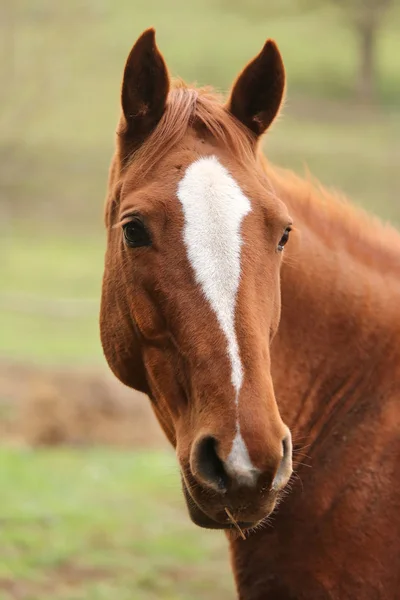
<point x="286" y="446"/>
<point x="285" y="467"/>
<point x="237" y="471"/>
<point x="207" y="465"/>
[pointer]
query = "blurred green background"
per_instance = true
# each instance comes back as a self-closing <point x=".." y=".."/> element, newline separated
<point x="109" y="522"/>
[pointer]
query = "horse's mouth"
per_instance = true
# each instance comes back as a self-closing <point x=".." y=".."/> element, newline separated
<point x="202" y="519"/>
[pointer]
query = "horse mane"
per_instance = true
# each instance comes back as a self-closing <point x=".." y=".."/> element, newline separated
<point x="342" y="225"/>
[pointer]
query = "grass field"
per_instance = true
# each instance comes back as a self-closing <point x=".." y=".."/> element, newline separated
<point x="50" y="267"/>
<point x="98" y="524"/>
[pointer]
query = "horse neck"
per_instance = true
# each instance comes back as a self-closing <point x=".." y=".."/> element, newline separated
<point x="339" y="332"/>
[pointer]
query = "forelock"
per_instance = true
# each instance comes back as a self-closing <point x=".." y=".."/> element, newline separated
<point x="192" y="107"/>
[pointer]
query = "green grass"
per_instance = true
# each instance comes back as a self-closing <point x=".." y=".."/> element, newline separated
<point x="102" y="524"/>
<point x="37" y="271"/>
<point x="74" y="263"/>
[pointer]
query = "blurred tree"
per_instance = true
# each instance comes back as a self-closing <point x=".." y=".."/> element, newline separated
<point x="364" y="16"/>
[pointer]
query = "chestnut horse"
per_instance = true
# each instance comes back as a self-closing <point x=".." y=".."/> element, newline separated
<point x="238" y="339"/>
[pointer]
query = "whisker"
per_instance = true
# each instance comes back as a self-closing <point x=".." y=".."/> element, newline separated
<point x="300" y="448"/>
<point x="235" y="523"/>
<point x="297" y="476"/>
<point x="301" y="455"/>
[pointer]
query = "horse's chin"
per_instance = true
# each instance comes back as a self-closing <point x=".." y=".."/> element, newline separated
<point x="201" y="519"/>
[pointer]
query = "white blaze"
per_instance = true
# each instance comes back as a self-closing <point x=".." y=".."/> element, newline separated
<point x="214" y="207"/>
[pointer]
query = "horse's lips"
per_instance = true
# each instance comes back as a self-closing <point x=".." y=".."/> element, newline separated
<point x="200" y="518"/>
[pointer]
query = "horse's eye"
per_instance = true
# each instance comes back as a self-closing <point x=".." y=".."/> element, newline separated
<point x="136" y="234"/>
<point x="284" y="239"/>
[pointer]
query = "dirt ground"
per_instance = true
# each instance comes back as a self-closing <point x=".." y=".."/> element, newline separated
<point x="42" y="406"/>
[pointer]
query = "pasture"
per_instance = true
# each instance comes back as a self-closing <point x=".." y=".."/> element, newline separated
<point x="90" y="525"/>
<point x="100" y="523"/>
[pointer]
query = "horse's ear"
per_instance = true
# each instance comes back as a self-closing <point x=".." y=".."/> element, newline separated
<point x="258" y="91"/>
<point x="144" y="88"/>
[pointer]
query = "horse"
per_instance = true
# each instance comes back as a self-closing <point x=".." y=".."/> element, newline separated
<point x="251" y="305"/>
